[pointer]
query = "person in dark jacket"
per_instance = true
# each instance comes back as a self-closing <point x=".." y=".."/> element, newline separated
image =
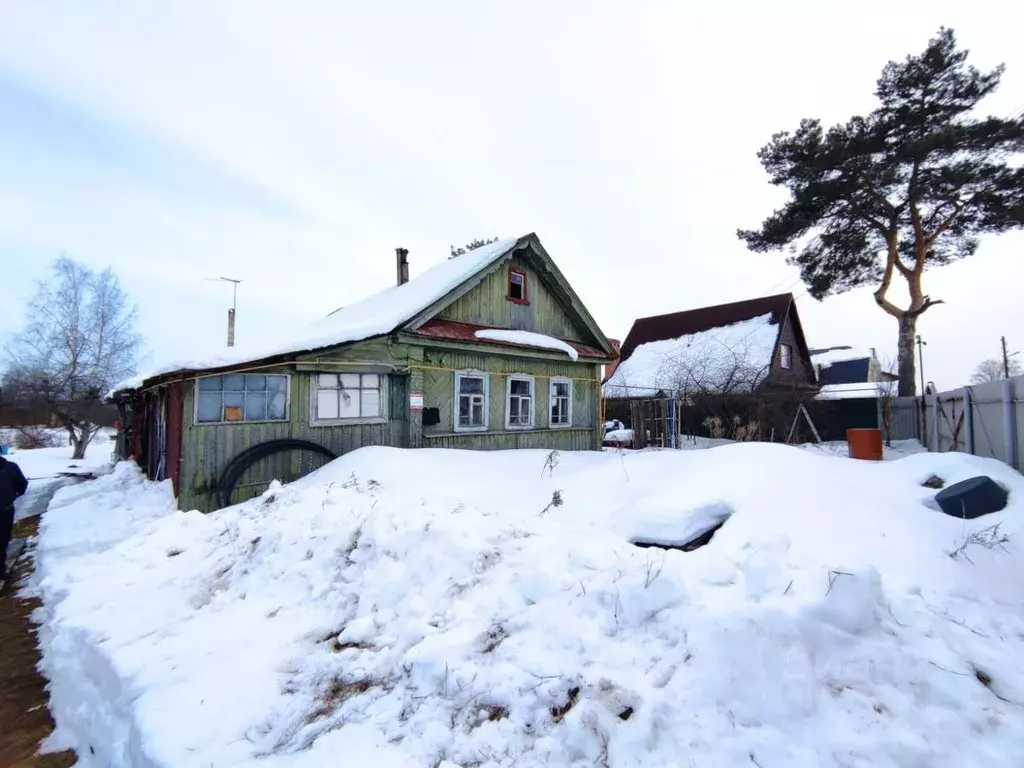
<point x="12" y="485"/>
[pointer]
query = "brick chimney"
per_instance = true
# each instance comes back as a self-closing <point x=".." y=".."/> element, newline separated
<point x="609" y="369"/>
<point x="402" y="265"/>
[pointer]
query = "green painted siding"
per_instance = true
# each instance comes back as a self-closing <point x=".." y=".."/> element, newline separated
<point x="544" y="439"/>
<point x="380" y="350"/>
<point x="440" y="366"/>
<point x="409" y="368"/>
<point x="207" y="448"/>
<point x="488" y="304"/>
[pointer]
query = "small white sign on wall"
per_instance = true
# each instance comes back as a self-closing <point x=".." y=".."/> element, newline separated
<point x="415" y="401"/>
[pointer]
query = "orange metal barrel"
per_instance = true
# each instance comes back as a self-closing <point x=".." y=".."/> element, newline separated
<point x="865" y="444"/>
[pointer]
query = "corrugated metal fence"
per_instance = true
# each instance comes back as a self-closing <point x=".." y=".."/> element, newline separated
<point x="983" y="419"/>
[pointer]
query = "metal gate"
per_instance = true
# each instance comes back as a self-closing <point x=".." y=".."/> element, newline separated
<point x="950" y="424"/>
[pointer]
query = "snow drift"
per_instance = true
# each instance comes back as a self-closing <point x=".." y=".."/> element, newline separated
<point x="447" y="608"/>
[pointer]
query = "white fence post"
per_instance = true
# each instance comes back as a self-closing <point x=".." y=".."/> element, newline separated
<point x="1010" y="424"/>
<point x="968" y="420"/>
<point x="936" y="406"/>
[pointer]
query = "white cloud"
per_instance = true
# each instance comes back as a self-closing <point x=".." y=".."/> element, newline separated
<point x="625" y="136"/>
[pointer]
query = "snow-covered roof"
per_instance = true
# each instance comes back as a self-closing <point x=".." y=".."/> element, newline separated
<point x="828" y="358"/>
<point x="730" y="358"/>
<point x="855" y="391"/>
<point x="375" y="315"/>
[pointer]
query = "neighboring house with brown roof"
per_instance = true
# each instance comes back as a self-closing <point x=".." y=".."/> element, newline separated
<point x="727" y="349"/>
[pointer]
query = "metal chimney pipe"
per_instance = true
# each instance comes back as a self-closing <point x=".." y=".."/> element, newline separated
<point x="402" y="265"/>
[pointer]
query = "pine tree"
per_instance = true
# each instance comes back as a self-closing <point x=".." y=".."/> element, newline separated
<point x="913" y="184"/>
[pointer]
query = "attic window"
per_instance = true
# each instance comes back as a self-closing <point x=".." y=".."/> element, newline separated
<point x="786" y="356"/>
<point x="517" y="286"/>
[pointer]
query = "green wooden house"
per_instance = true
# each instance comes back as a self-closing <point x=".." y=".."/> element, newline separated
<point x="491" y="349"/>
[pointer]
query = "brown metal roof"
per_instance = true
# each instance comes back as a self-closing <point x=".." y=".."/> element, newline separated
<point x="676" y="324"/>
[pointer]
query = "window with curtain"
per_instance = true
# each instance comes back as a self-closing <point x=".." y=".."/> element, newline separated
<point x="561" y="402"/>
<point x="342" y="396"/>
<point x="470" y="401"/>
<point x="519" y="412"/>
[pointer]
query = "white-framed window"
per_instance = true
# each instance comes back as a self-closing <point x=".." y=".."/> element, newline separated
<point x="519" y="402"/>
<point x="786" y="356"/>
<point x="241" y="397"/>
<point x="348" y="397"/>
<point x="561" y="402"/>
<point x="471" y="401"/>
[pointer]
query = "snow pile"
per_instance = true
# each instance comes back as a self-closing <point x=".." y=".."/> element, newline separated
<point x="373" y="316"/>
<point x="619" y="436"/>
<point x="403" y="608"/>
<point x="733" y="358"/>
<point x="841" y="449"/>
<point x="527" y="338"/>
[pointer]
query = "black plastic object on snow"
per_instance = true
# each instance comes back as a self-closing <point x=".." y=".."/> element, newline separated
<point x="972" y="498"/>
<point x="254" y="453"/>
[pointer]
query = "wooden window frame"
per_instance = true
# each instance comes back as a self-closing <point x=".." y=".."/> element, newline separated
<point x="486" y="394"/>
<point x="551" y="401"/>
<point x="508" y="401"/>
<point x="197" y="392"/>
<point x="526" y="295"/>
<point x="382" y="390"/>
<point x="786" y="356"/>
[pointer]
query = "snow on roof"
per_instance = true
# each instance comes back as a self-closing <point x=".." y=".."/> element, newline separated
<point x="527" y="338"/>
<point x="830" y="357"/>
<point x="854" y="391"/>
<point x="731" y="358"/>
<point x="375" y="315"/>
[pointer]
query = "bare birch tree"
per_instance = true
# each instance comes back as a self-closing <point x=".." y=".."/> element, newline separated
<point x="79" y="340"/>
<point x="994" y="370"/>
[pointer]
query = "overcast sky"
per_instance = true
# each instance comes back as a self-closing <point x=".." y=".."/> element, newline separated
<point x="294" y="145"/>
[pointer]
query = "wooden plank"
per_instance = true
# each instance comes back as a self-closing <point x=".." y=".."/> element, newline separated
<point x="488" y="304"/>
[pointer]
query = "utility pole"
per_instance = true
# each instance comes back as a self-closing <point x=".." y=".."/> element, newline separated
<point x="234" y="305"/>
<point x="921" y="344"/>
<point x="1006" y="357"/>
<point x="923" y="418"/>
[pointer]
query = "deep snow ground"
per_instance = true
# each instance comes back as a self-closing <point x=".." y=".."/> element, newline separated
<point x="47" y="468"/>
<point x="427" y="608"/>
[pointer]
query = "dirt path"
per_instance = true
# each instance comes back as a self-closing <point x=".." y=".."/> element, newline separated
<point x="24" y="717"/>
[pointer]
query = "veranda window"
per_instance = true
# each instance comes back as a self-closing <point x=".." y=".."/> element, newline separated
<point x="235" y="397"/>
